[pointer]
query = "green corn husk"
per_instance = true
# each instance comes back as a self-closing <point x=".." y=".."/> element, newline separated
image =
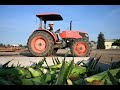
<point x="60" y="77"/>
<point x="5" y="82"/>
<point x="47" y="77"/>
<point x="112" y="78"/>
<point x="64" y="73"/>
<point x="54" y="76"/>
<point x="54" y="71"/>
<point x="107" y="82"/>
<point x="27" y="73"/>
<point x="78" y="81"/>
<point x="11" y="72"/>
<point x="45" y="71"/>
<point x="118" y="74"/>
<point x="101" y="75"/>
<point x="34" y="72"/>
<point x="31" y="81"/>
<point x="76" y="72"/>
<point x="57" y="66"/>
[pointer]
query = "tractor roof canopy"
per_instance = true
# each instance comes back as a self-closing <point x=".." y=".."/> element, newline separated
<point x="50" y="16"/>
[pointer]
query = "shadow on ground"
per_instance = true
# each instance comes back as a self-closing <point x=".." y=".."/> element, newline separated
<point x="9" y="54"/>
<point x="28" y="54"/>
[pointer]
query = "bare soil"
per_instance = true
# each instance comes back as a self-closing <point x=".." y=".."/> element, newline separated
<point x="107" y="55"/>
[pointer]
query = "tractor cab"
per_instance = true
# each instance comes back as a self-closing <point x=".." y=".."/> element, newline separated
<point x="48" y="17"/>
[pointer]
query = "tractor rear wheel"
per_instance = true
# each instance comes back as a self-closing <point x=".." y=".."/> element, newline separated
<point x="80" y="48"/>
<point x="40" y="44"/>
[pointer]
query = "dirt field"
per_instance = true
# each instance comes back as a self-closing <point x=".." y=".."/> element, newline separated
<point x="107" y="55"/>
<point x="105" y="58"/>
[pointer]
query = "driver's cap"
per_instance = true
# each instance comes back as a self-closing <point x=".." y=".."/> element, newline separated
<point x="51" y="23"/>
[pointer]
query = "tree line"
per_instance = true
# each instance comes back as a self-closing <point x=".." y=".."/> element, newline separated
<point x="8" y="45"/>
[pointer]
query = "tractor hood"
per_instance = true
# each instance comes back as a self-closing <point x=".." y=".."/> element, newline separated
<point x="50" y="16"/>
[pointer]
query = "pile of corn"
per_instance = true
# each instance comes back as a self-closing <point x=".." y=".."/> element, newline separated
<point x="65" y="73"/>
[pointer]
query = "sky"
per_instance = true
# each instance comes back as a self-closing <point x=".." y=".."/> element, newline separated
<point x="17" y="22"/>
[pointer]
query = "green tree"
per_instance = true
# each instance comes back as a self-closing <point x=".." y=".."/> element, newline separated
<point x="1" y="44"/>
<point x="116" y="43"/>
<point x="25" y="46"/>
<point x="93" y="42"/>
<point x="20" y="45"/>
<point x="8" y="45"/>
<point x="101" y="41"/>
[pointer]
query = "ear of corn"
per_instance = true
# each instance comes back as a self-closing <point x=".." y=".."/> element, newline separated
<point x="26" y="73"/>
<point x="69" y="82"/>
<point x="31" y="81"/>
<point x="76" y="72"/>
<point x="34" y="73"/>
<point x="57" y="66"/>
<point x="43" y="70"/>
<point x="100" y="75"/>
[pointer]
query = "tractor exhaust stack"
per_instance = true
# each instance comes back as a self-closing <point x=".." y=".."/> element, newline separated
<point x="70" y="25"/>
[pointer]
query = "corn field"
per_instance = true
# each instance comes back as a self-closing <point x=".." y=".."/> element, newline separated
<point x="61" y="73"/>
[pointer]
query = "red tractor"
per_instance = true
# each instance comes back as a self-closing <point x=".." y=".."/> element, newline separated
<point x="43" y="42"/>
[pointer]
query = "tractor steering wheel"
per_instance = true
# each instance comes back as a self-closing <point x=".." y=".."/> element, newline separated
<point x="57" y="31"/>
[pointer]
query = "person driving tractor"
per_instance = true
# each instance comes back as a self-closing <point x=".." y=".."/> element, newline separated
<point x="50" y="27"/>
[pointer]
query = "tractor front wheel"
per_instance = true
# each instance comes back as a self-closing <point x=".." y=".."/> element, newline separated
<point x="80" y="48"/>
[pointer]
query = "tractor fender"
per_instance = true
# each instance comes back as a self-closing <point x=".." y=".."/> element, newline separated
<point x="53" y="35"/>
